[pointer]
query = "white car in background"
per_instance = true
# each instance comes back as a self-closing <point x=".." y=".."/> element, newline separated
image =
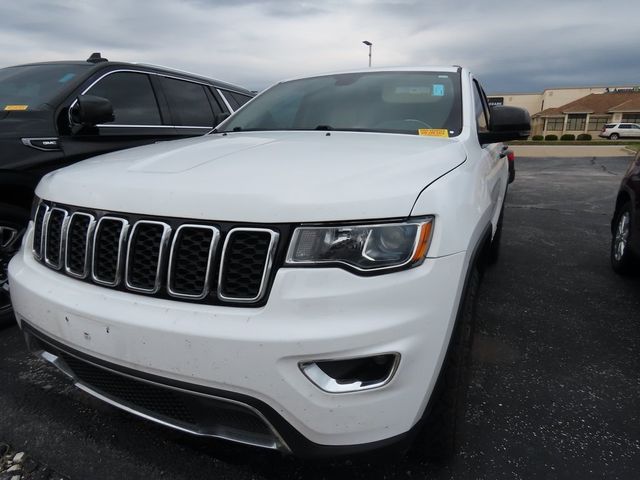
<point x="303" y="278"/>
<point x="614" y="131"/>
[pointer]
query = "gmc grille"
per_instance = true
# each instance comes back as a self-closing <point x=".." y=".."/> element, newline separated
<point x="170" y="258"/>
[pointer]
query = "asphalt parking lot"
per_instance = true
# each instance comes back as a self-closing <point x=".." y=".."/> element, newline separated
<point x="555" y="378"/>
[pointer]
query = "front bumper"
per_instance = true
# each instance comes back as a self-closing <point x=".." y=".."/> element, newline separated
<point x="252" y="355"/>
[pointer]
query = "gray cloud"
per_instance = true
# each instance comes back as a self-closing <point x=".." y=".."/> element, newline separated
<point x="512" y="45"/>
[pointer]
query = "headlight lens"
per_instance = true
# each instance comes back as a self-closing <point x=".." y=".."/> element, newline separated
<point x="363" y="247"/>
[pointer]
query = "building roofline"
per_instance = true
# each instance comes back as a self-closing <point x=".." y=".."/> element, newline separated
<point x="562" y="88"/>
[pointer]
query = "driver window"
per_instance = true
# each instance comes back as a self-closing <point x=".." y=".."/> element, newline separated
<point x="132" y="97"/>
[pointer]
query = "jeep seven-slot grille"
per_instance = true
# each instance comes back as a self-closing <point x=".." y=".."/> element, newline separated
<point x="169" y="258"/>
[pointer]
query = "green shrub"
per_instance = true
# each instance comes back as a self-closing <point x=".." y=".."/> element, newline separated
<point x="568" y="137"/>
<point x="537" y="138"/>
<point x="551" y="137"/>
<point x="584" y="136"/>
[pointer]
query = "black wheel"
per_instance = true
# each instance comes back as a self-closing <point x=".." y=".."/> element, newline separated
<point x="494" y="248"/>
<point x="13" y="221"/>
<point x="622" y="259"/>
<point x="438" y="439"/>
<point x="614" y="136"/>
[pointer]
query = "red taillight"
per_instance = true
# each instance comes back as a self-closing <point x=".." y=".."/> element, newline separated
<point x="511" y="156"/>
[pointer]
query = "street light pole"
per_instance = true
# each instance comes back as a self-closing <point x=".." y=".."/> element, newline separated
<point x="368" y="44"/>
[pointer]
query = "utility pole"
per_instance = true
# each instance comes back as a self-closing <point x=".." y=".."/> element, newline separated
<point x="368" y="44"/>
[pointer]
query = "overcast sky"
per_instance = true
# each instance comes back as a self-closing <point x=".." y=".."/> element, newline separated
<point x="513" y="46"/>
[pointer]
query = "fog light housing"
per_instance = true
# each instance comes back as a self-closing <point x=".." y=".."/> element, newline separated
<point x="352" y="374"/>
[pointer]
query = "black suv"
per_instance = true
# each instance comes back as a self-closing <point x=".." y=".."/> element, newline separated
<point x="53" y="114"/>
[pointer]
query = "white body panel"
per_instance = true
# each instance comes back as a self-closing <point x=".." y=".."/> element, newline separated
<point x="267" y="177"/>
<point x="311" y="313"/>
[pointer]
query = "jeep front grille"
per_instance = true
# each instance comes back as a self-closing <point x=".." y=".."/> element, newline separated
<point x="165" y="257"/>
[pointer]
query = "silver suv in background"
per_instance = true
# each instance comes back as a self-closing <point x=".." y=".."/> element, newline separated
<point x="614" y="131"/>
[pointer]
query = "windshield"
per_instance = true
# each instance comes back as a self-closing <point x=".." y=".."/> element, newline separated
<point x="391" y="102"/>
<point x="29" y="87"/>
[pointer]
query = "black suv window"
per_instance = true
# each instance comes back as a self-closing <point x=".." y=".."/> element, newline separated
<point x="622" y="125"/>
<point x="188" y="102"/>
<point x="236" y="100"/>
<point x="131" y="94"/>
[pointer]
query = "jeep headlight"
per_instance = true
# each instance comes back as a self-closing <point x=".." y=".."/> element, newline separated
<point x="366" y="248"/>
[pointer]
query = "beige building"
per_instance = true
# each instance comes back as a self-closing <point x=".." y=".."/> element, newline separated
<point x="588" y="114"/>
<point x="551" y="97"/>
<point x="575" y="110"/>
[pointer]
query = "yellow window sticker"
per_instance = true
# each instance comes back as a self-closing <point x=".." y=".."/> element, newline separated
<point x="433" y="132"/>
<point x="16" y="107"/>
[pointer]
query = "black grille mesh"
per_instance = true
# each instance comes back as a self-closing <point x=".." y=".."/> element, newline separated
<point x="167" y="403"/>
<point x="37" y="231"/>
<point x="149" y="397"/>
<point x="78" y="230"/>
<point x="54" y="237"/>
<point x="244" y="264"/>
<point x="144" y="255"/>
<point x="106" y="251"/>
<point x="190" y="260"/>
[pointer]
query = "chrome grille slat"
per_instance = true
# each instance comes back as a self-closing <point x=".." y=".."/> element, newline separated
<point x="106" y="264"/>
<point x="196" y="270"/>
<point x="38" y="230"/>
<point x="78" y="244"/>
<point x="145" y="255"/>
<point x="54" y="233"/>
<point x="245" y="272"/>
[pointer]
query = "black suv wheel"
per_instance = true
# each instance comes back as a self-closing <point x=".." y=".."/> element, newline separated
<point x="622" y="259"/>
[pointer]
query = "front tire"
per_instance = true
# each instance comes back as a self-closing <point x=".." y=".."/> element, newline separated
<point x="439" y="436"/>
<point x="13" y="221"/>
<point x="623" y="260"/>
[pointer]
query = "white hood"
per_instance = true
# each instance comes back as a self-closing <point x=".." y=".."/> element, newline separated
<point x="264" y="177"/>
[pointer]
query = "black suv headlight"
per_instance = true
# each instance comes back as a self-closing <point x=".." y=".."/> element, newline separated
<point x="365" y="248"/>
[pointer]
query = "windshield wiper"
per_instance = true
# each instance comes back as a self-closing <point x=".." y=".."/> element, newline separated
<point x="324" y="127"/>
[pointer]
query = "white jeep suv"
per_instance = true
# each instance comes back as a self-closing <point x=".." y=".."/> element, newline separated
<point x="302" y="278"/>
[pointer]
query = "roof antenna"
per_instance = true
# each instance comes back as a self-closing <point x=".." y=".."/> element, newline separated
<point x="96" y="58"/>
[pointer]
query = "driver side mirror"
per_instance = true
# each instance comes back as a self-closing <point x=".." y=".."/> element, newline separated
<point x="507" y="123"/>
<point x="90" y="111"/>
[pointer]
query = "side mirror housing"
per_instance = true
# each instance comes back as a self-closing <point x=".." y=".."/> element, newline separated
<point x="90" y="111"/>
<point x="507" y="123"/>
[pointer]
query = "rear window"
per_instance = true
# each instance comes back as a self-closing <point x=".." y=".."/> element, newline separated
<point x="610" y="125"/>
<point x="30" y="87"/>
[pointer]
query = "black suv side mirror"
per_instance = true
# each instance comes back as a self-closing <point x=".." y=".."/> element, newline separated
<point x="507" y="123"/>
<point x="90" y="110"/>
